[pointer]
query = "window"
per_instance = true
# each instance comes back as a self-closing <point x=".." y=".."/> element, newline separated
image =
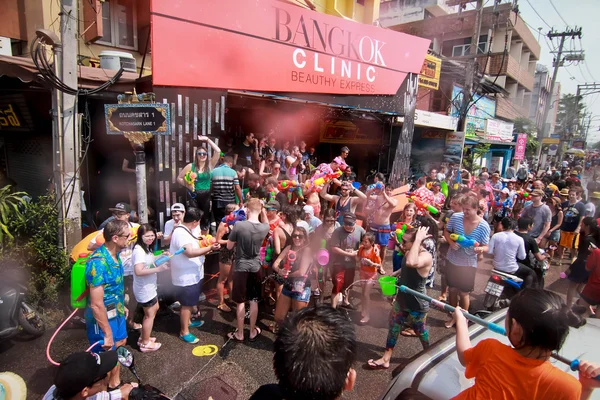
<point x="464" y="49"/>
<point x="119" y="24"/>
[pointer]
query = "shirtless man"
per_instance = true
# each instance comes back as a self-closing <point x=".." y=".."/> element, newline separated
<point x="380" y="218"/>
<point x="345" y="203"/>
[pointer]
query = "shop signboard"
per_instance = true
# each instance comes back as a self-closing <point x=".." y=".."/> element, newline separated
<point x="144" y="118"/>
<point x="498" y="131"/>
<point x="346" y="132"/>
<point x="274" y="46"/>
<point x="455" y="141"/>
<point x="430" y="72"/>
<point x="481" y="109"/>
<point x="521" y="146"/>
<point x="14" y="114"/>
<point x="433" y="120"/>
<point x="578" y="144"/>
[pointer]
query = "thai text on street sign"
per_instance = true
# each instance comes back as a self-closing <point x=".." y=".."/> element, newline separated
<point x="138" y="120"/>
<point x="521" y="146"/>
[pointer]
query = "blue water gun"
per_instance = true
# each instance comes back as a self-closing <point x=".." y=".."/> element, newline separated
<point x="463" y="241"/>
<point x="232" y="218"/>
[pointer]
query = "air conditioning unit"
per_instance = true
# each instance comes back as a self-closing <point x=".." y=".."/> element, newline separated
<point x="116" y="59"/>
<point x="5" y="46"/>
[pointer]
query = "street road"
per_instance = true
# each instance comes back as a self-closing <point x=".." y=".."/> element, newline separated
<point x="238" y="369"/>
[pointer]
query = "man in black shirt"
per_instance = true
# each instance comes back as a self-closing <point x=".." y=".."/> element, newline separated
<point x="532" y="250"/>
<point x="247" y="151"/>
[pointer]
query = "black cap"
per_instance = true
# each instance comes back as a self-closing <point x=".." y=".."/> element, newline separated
<point x="81" y="370"/>
<point x="349" y="218"/>
<point x="123" y="207"/>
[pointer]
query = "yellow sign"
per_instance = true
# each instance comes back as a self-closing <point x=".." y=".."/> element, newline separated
<point x="430" y="72"/>
<point x="550" y="140"/>
<point x="8" y="117"/>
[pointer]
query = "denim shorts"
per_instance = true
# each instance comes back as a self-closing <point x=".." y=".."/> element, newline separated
<point x="304" y="296"/>
<point x="188" y="295"/>
<point x="555" y="236"/>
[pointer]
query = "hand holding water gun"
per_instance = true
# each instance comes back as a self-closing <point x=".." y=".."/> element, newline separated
<point x="285" y="185"/>
<point x="463" y="241"/>
<point x="235" y="216"/>
<point x="289" y="261"/>
<point x="319" y="180"/>
<point x="375" y="186"/>
<point x="164" y="258"/>
<point x="523" y="194"/>
<point x="400" y="232"/>
<point x="207" y="241"/>
<point x="190" y="178"/>
<point x="422" y="205"/>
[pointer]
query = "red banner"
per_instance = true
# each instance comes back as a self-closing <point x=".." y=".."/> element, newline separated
<point x="268" y="45"/>
<point x="521" y="146"/>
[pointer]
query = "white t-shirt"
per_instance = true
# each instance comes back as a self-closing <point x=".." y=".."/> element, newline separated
<point x="144" y="287"/>
<point x="125" y="254"/>
<point x="170" y="225"/>
<point x="185" y="271"/>
<point x="506" y="248"/>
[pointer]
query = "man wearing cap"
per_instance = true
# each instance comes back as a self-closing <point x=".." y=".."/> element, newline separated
<point x="274" y="193"/>
<point x="573" y="180"/>
<point x="344" y="243"/>
<point x="85" y="375"/>
<point x="122" y="212"/>
<point x="309" y="217"/>
<point x="540" y="214"/>
<point x="177" y="213"/>
<point x="105" y="315"/>
<point x="573" y="211"/>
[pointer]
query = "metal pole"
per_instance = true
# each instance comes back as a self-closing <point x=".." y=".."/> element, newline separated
<point x="140" y="184"/>
<point x="70" y="151"/>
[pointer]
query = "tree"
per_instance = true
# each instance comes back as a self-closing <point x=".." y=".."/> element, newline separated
<point x="527" y="126"/>
<point x="570" y="112"/>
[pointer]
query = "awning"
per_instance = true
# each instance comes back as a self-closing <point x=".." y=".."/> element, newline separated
<point x="24" y="69"/>
<point x="476" y="139"/>
<point x="324" y="103"/>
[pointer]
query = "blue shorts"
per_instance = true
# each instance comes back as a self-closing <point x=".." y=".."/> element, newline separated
<point x="118" y="326"/>
<point x="382" y="234"/>
<point x="397" y="260"/>
<point x="555" y="236"/>
<point x="304" y="296"/>
<point x="188" y="296"/>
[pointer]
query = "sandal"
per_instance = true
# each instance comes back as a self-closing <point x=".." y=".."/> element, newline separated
<point x="258" y="332"/>
<point x="224" y="307"/>
<point x="374" y="365"/>
<point x="408" y="332"/>
<point x="364" y="320"/>
<point x="189" y="338"/>
<point x="149" y="347"/>
<point x="231" y="336"/>
<point x="152" y="339"/>
<point x="274" y="328"/>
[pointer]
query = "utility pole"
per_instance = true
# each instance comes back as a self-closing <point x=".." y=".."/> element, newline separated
<point x="557" y="63"/>
<point x="585" y="89"/>
<point x="70" y="151"/>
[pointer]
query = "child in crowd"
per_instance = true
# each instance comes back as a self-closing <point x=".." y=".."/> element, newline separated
<point x="523" y="370"/>
<point x="144" y="284"/>
<point x="370" y="265"/>
<point x="502" y="208"/>
<point x="408" y="217"/>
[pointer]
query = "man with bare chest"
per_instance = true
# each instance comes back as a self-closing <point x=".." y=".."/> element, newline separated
<point x="344" y="203"/>
<point x="379" y="217"/>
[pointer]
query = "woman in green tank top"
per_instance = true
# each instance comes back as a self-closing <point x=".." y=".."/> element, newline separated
<point x="198" y="191"/>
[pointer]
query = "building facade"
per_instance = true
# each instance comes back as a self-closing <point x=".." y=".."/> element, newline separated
<point x="541" y="99"/>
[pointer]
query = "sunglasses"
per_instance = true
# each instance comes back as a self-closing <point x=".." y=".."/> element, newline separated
<point x="296" y="236"/>
<point x="349" y="225"/>
<point x="330" y="221"/>
<point x="202" y="153"/>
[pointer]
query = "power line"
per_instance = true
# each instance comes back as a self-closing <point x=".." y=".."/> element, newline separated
<point x="555" y="9"/>
<point x="538" y="14"/>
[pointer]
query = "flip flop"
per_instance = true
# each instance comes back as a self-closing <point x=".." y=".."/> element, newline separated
<point x="189" y="338"/>
<point x="258" y="332"/>
<point x="231" y="335"/>
<point x="373" y="365"/>
<point x="196" y="324"/>
<point x="364" y="321"/>
<point x="408" y="333"/>
<point x="224" y="307"/>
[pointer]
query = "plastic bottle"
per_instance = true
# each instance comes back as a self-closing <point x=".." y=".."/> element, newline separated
<point x="78" y="283"/>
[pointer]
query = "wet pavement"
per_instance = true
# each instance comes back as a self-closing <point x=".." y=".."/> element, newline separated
<point x="237" y="369"/>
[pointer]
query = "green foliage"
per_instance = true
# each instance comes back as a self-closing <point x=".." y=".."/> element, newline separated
<point x="471" y="155"/>
<point x="10" y="211"/>
<point x="570" y="112"/>
<point x="35" y="248"/>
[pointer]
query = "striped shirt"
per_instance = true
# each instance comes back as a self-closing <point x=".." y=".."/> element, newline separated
<point x="223" y="180"/>
<point x="466" y="256"/>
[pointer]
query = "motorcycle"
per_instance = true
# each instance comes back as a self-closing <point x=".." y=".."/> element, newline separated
<point x="16" y="316"/>
<point x="500" y="288"/>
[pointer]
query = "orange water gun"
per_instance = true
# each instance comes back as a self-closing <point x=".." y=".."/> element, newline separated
<point x="207" y="241"/>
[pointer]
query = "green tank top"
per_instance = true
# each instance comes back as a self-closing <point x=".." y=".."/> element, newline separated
<point x="202" y="179"/>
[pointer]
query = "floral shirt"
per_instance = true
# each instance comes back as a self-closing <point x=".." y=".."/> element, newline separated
<point x="426" y="196"/>
<point x="102" y="270"/>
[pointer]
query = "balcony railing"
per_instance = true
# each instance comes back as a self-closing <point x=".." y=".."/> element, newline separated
<point x="510" y="67"/>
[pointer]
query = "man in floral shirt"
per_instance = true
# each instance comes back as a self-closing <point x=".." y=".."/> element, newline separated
<point x="105" y="315"/>
<point x="423" y="194"/>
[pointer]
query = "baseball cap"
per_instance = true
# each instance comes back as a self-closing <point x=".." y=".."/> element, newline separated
<point x="81" y="370"/>
<point x="506" y="191"/>
<point x="538" y="192"/>
<point x="123" y="207"/>
<point x="309" y="210"/>
<point x="273" y="205"/>
<point x="349" y="219"/>
<point x="178" y="207"/>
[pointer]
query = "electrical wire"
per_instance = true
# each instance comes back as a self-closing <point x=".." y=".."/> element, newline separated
<point x="555" y="9"/>
<point x="538" y="14"/>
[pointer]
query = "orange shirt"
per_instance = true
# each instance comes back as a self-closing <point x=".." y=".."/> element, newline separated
<point x="369" y="255"/>
<point x="503" y="374"/>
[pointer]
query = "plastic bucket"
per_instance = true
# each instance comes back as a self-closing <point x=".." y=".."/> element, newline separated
<point x="391" y="244"/>
<point x="323" y="257"/>
<point x="388" y="285"/>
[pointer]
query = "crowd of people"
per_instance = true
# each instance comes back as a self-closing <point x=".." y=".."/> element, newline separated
<point x="282" y="233"/>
